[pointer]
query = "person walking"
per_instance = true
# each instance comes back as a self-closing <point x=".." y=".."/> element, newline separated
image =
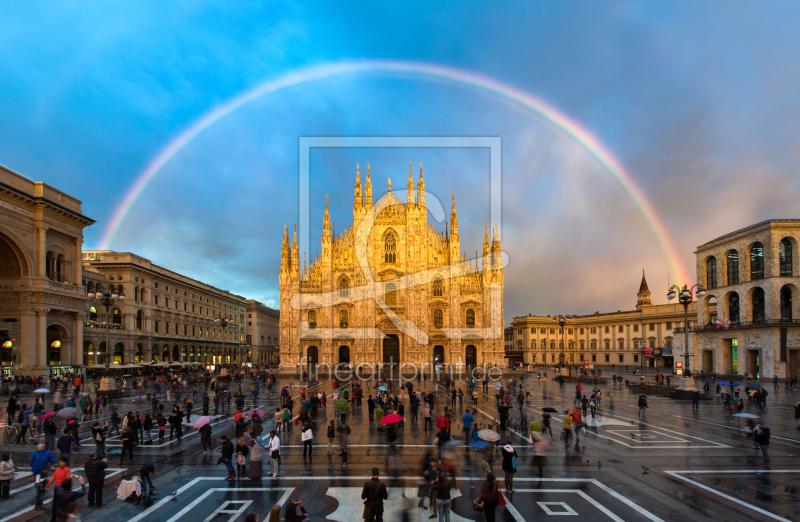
<point x="344" y="433"/>
<point x="307" y="436"/>
<point x="242" y="451"/>
<point x="332" y="435"/>
<point x="128" y="442"/>
<point x="41" y="460"/>
<point x="490" y="496"/>
<point x="467" y="419"/>
<point x="115" y="420"/>
<point x="205" y="437"/>
<point x="6" y="474"/>
<point x="696" y="400"/>
<point x="147" y="425"/>
<point x="379" y="417"/>
<point x="64" y="445"/>
<point x="61" y="474"/>
<point x="99" y="436"/>
<point x="227" y="454"/>
<point x="797" y="415"/>
<point x="256" y="459"/>
<point x="162" y="427"/>
<point x="440" y="490"/>
<point x="540" y="444"/>
<point x="50" y="431"/>
<point x="95" y="469"/>
<point x="274" y="454"/>
<point x="509" y="465"/>
<point x="761" y="437"/>
<point x="642" y="403"/>
<point x="374" y="493"/>
<point x="63" y="497"/>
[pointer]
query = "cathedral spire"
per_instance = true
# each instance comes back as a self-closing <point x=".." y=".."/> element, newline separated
<point x="295" y="253"/>
<point x="358" y="188"/>
<point x="410" y="186"/>
<point x="454" y="218"/>
<point x="326" y="221"/>
<point x="486" y="261"/>
<point x="643" y="296"/>
<point x="368" y="191"/>
<point x="421" y="188"/>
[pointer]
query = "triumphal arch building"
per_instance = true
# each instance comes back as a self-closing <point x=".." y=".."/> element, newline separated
<point x="391" y="289"/>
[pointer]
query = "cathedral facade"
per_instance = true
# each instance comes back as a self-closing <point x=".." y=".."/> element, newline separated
<point x="391" y="289"/>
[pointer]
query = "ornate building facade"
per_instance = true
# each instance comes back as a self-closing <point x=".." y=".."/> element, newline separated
<point x="391" y="289"/>
<point x="41" y="299"/>
<point x="639" y="337"/>
<point x="749" y="320"/>
<point x="262" y="332"/>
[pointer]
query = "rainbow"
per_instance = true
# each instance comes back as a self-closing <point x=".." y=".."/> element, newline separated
<point x="539" y="108"/>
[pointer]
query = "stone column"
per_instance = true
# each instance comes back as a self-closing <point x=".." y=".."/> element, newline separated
<point x="41" y="342"/>
<point x="26" y="347"/>
<point x="42" y="230"/>
<point x="77" y="357"/>
<point x="78" y="266"/>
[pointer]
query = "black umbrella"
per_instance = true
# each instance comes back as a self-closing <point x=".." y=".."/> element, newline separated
<point x="222" y="388"/>
<point x="549" y="410"/>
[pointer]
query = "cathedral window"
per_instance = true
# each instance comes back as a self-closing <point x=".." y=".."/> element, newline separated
<point x="344" y="287"/>
<point x="733" y="267"/>
<point x="343" y="319"/>
<point x="390" y="249"/>
<point x="470" y="318"/>
<point x="390" y="295"/>
<point x="312" y="319"/>
<point x="437" y="287"/>
<point x="757" y="261"/>
<point x="438" y="318"/>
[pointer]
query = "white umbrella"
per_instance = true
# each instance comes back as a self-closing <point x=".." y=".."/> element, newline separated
<point x="42" y="390"/>
<point x="746" y="415"/>
<point x="489" y="435"/>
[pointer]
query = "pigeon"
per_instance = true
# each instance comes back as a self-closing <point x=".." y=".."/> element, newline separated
<point x="598" y="464"/>
<point x="646" y="469"/>
<point x="367" y="452"/>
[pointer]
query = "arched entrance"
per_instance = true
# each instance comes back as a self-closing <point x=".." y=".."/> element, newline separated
<point x="156" y="356"/>
<point x="54" y="341"/>
<point x="89" y="354"/>
<point x="438" y="354"/>
<point x="344" y="355"/>
<point x="176" y="353"/>
<point x="119" y="354"/>
<point x="6" y="347"/>
<point x="391" y="349"/>
<point x="139" y="356"/>
<point x="312" y="357"/>
<point x="165" y="354"/>
<point x="472" y="355"/>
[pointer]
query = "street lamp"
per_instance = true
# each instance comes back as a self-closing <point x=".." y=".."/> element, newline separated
<point x="107" y="299"/>
<point x="685" y="298"/>
<point x="562" y="320"/>
<point x="641" y="344"/>
<point x="223" y="322"/>
<point x="544" y="349"/>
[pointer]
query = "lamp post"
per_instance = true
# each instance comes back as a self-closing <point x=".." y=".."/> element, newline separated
<point x="562" y="320"/>
<point x="685" y="297"/>
<point x="107" y="299"/>
<point x="641" y="344"/>
<point x="223" y="322"/>
<point x="544" y="349"/>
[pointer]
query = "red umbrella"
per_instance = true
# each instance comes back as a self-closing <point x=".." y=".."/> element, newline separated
<point x="391" y="418"/>
<point x="46" y="415"/>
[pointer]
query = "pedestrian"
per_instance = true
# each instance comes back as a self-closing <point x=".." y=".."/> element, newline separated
<point x="162" y="427"/>
<point x="205" y="437"/>
<point x="567" y="427"/>
<point x="61" y="474"/>
<point x="509" y="465"/>
<point x="64" y="445"/>
<point x="426" y="414"/>
<point x="50" y="431"/>
<point x="63" y="497"/>
<point x="6" y="474"/>
<point x="467" y="419"/>
<point x="797" y="415"/>
<point x="41" y="460"/>
<point x="147" y="425"/>
<point x="226" y="456"/>
<point x="295" y="512"/>
<point x="642" y="403"/>
<point x="344" y="433"/>
<point x="242" y="451"/>
<point x="761" y="437"/>
<point x="307" y="436"/>
<point x="128" y="439"/>
<point x="99" y="436"/>
<point x="274" y="454"/>
<point x="539" y="450"/>
<point x="374" y="493"/>
<point x="490" y="494"/>
<point x="95" y="469"/>
<point x="379" y="414"/>
<point x="696" y="400"/>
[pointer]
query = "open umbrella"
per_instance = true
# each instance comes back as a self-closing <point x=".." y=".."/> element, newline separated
<point x="753" y="385"/>
<point x="383" y="388"/>
<point x="746" y="415"/>
<point x="658" y="373"/>
<point x="489" y="435"/>
<point x="41" y="390"/>
<point x="480" y="444"/>
<point x="391" y="418"/>
<point x="201" y="421"/>
<point x="224" y="388"/>
<point x="258" y="411"/>
<point x="67" y="413"/>
<point x="724" y="384"/>
<point x="549" y="410"/>
<point x="47" y="415"/>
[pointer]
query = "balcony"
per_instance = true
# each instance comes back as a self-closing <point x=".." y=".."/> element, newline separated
<point x="766" y="323"/>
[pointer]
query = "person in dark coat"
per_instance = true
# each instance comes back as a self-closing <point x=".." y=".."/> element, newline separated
<point x="373" y="494"/>
<point x="490" y="498"/>
<point x="95" y="469"/>
<point x="509" y="465"/>
<point x="128" y="442"/>
<point x="63" y="496"/>
<point x="227" y="454"/>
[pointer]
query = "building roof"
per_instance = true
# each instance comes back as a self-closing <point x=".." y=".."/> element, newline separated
<point x="751" y="227"/>
<point x="260" y="307"/>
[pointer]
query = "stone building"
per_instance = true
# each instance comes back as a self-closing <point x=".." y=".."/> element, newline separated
<point x="391" y="289"/>
<point x="747" y="323"/>
<point x="41" y="300"/>
<point x="166" y="317"/>
<point x="643" y="336"/>
<point x="263" y="331"/>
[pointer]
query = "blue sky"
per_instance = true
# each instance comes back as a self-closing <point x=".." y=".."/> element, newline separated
<point x="699" y="100"/>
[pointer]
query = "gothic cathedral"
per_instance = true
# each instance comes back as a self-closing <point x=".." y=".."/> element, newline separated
<point x="391" y="289"/>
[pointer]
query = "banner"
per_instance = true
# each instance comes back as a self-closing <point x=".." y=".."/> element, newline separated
<point x="666" y="351"/>
<point x="657" y="351"/>
<point x="648" y="351"/>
